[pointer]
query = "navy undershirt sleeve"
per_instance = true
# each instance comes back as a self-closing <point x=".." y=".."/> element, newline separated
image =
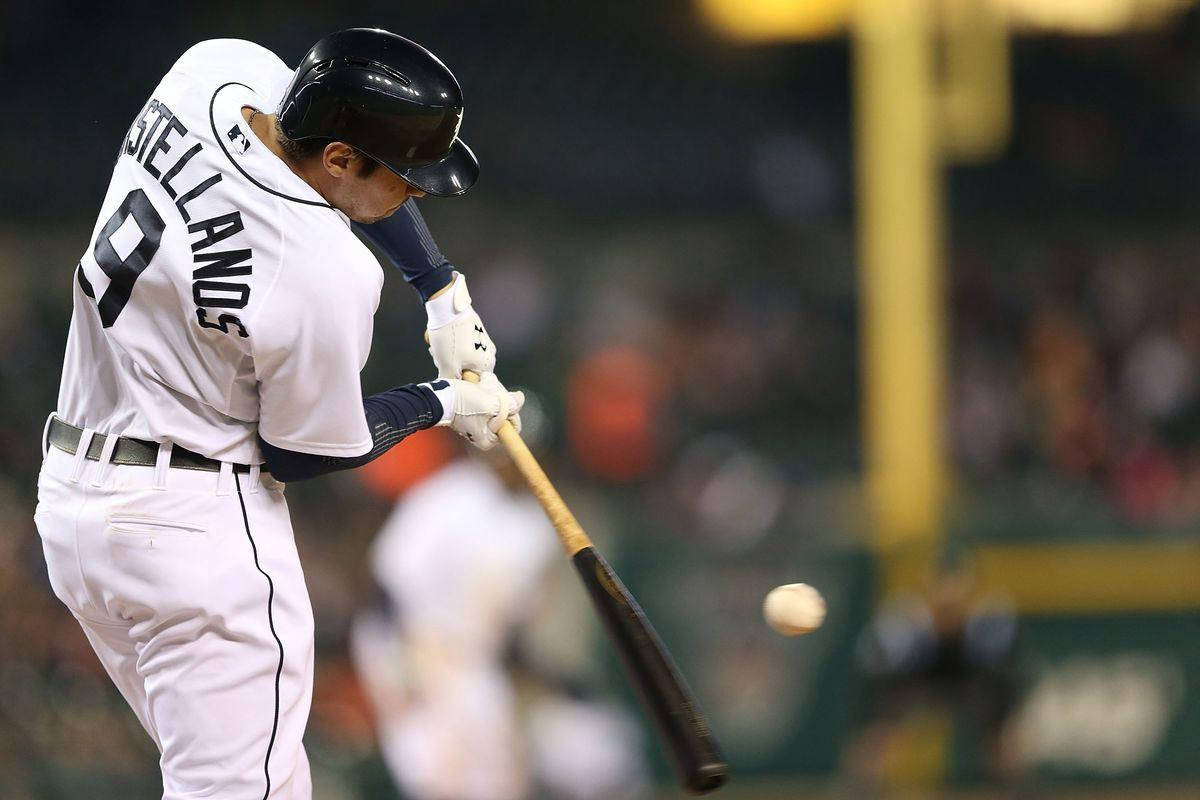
<point x="405" y="240"/>
<point x="391" y="416"/>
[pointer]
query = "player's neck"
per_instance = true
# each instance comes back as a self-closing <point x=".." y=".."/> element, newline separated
<point x="263" y="126"/>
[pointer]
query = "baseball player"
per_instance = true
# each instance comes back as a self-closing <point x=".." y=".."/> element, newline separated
<point x="222" y="313"/>
<point x="437" y="656"/>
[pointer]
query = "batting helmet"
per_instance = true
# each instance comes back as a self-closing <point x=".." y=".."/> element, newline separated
<point x="388" y="97"/>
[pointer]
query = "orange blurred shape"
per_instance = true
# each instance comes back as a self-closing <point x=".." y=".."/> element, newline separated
<point x="408" y="463"/>
<point x="340" y="708"/>
<point x="613" y="398"/>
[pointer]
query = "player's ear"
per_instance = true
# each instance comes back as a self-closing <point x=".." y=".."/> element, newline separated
<point x="337" y="158"/>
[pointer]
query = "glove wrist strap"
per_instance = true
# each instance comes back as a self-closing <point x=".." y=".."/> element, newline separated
<point x="451" y="304"/>
<point x="447" y="396"/>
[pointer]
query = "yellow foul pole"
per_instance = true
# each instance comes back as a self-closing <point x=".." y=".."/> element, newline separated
<point x="899" y="240"/>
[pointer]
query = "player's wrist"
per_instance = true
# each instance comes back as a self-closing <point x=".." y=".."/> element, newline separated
<point x="447" y="395"/>
<point x="449" y="303"/>
<point x="432" y="283"/>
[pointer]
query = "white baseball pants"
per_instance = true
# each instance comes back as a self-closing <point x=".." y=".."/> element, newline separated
<point x="189" y="589"/>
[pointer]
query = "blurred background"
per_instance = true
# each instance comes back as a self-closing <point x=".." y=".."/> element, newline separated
<point x="898" y="298"/>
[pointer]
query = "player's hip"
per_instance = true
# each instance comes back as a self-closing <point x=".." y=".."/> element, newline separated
<point x="128" y="542"/>
<point x="114" y="463"/>
<point x="157" y="506"/>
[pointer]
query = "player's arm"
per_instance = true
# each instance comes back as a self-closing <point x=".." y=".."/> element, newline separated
<point x="313" y="417"/>
<point x="404" y="239"/>
<point x="458" y="339"/>
<point x="474" y="411"/>
<point x="391" y="417"/>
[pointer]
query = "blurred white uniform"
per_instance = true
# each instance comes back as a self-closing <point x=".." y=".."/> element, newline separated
<point x="462" y="559"/>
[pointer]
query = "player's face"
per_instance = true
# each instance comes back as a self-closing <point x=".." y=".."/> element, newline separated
<point x="375" y="196"/>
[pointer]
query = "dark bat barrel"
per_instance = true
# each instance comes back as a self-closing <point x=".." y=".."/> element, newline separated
<point x="664" y="692"/>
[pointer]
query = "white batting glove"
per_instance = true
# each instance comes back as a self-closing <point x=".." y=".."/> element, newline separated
<point x="457" y="338"/>
<point x="479" y="409"/>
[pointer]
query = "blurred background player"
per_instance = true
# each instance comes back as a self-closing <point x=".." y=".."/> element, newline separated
<point x="934" y="659"/>
<point x="467" y="706"/>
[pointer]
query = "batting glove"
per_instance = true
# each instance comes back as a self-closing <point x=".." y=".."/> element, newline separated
<point x="457" y="338"/>
<point x="479" y="409"/>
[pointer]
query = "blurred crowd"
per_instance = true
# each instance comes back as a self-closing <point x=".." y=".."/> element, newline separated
<point x="687" y="403"/>
<point x="1075" y="368"/>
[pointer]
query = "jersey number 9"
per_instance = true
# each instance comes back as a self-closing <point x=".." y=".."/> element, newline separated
<point x="123" y="272"/>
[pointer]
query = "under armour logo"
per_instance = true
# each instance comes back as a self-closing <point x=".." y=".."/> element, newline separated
<point x="480" y="345"/>
<point x="237" y="137"/>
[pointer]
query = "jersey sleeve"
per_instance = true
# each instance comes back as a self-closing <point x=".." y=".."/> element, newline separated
<point x="218" y="60"/>
<point x="309" y="345"/>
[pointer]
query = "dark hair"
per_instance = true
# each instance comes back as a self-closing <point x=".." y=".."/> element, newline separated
<point x="368" y="164"/>
<point x="299" y="151"/>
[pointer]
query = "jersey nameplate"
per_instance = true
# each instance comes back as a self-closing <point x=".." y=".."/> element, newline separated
<point x="213" y="279"/>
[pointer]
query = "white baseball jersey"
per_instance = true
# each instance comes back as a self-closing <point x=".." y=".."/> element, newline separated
<point x="466" y="577"/>
<point x="219" y="295"/>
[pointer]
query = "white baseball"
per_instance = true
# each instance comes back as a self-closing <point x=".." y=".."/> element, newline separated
<point x="794" y="608"/>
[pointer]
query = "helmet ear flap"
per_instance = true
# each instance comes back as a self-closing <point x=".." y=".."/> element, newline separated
<point x="294" y="108"/>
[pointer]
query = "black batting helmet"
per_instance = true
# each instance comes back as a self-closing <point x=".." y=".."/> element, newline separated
<point x="388" y="97"/>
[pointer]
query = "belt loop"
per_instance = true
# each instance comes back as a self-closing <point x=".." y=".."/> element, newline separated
<point x="224" y="479"/>
<point x="81" y="449"/>
<point x="162" y="463"/>
<point x="46" y="433"/>
<point x="105" y="464"/>
<point x="255" y="469"/>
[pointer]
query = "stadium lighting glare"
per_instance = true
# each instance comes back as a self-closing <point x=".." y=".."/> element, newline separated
<point x="776" y="20"/>
<point x="791" y="20"/>
<point x="1089" y="16"/>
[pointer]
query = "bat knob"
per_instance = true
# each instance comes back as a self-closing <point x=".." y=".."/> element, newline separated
<point x="708" y="778"/>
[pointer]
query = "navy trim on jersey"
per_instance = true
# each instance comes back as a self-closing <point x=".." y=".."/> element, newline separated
<point x="217" y="137"/>
<point x="84" y="283"/>
<point x="271" y="623"/>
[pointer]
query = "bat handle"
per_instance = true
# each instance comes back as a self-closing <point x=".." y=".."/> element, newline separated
<point x="570" y="533"/>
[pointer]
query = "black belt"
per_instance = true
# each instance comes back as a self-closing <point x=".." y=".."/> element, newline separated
<point x="136" y="452"/>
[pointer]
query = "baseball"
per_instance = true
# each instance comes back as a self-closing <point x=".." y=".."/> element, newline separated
<point x="794" y="608"/>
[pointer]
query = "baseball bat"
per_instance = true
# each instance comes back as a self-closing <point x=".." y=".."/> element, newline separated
<point x="665" y="695"/>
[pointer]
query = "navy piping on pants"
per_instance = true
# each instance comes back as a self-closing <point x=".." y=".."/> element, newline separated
<point x="271" y="622"/>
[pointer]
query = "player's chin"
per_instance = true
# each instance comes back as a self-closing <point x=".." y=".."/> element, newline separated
<point x="367" y="220"/>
